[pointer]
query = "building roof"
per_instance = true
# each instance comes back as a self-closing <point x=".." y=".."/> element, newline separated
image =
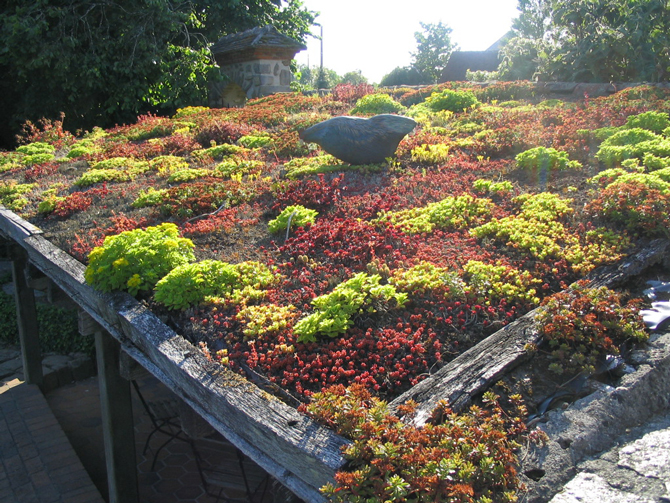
<point x="461" y="61"/>
<point x="260" y="37"/>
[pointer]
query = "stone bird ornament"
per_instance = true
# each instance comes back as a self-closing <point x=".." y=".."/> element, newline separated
<point x="357" y="140"/>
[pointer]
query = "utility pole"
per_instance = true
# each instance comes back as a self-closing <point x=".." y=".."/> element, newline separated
<point x="321" y="82"/>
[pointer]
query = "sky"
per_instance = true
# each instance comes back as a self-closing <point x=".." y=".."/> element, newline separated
<point x="376" y="36"/>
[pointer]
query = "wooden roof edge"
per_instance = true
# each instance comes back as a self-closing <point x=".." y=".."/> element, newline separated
<point x="260" y="36"/>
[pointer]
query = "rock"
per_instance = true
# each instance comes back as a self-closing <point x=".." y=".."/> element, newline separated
<point x="360" y="141"/>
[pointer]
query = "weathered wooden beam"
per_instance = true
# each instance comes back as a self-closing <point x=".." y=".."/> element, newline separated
<point x="26" y="320"/>
<point x="475" y="370"/>
<point x="117" y="422"/>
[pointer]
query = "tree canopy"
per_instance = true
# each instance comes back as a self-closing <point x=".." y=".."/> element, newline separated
<point x="434" y="47"/>
<point x="590" y="41"/>
<point x="105" y="62"/>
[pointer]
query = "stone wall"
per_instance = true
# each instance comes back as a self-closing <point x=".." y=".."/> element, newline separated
<point x="258" y="78"/>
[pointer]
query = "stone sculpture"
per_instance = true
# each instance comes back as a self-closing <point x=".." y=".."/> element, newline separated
<point x="360" y="141"/>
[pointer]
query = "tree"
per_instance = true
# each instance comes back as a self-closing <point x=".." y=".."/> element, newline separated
<point x="312" y="78"/>
<point x="591" y="40"/>
<point x="434" y="47"/>
<point x="403" y="76"/>
<point x="105" y="62"/>
<point x="354" y="78"/>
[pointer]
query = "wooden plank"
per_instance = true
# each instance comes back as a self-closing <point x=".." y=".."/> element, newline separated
<point x="26" y="320"/>
<point x="15" y="227"/>
<point x="290" y="446"/>
<point x="475" y="370"/>
<point x="117" y="422"/>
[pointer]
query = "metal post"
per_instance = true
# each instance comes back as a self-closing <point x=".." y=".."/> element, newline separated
<point x="117" y="422"/>
<point x="26" y="319"/>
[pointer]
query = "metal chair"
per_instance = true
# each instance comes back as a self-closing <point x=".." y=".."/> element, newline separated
<point x="227" y="474"/>
<point x="164" y="415"/>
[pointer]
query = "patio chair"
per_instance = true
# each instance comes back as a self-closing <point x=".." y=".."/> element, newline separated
<point x="227" y="474"/>
<point x="164" y="416"/>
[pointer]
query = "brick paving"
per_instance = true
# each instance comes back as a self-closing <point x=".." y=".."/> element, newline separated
<point x="52" y="449"/>
<point x="37" y="464"/>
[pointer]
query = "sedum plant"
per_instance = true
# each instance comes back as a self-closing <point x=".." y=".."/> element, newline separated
<point x="545" y="158"/>
<point x="335" y="311"/>
<point x="450" y="213"/>
<point x="11" y="194"/>
<point x="298" y="215"/>
<point x="431" y="154"/>
<point x="454" y="101"/>
<point x="426" y="277"/>
<point x="373" y="104"/>
<point x="212" y="280"/>
<point x="458" y="457"/>
<point x="582" y="325"/>
<point x="136" y="260"/>
<point x="266" y="318"/>
<point x="150" y="197"/>
<point x="495" y="282"/>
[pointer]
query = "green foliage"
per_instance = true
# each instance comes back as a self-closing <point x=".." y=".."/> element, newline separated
<point x="36" y="153"/>
<point x="36" y="148"/>
<point x="425" y="277"/>
<point x="481" y="76"/>
<point x="254" y="141"/>
<point x="466" y="457"/>
<point x="168" y="164"/>
<point x="29" y="160"/>
<point x="403" y="76"/>
<point x="81" y="149"/>
<point x="556" y="40"/>
<point x="490" y="187"/>
<point x="150" y="197"/>
<point x="632" y="143"/>
<point x="212" y="280"/>
<point x="373" y="104"/>
<point x="653" y="163"/>
<point x="298" y="215"/>
<point x="217" y="151"/>
<point x="583" y="324"/>
<point x="652" y="121"/>
<point x="187" y="175"/>
<point x="433" y="49"/>
<point x="519" y="58"/>
<point x="94" y="176"/>
<point x="450" y="213"/>
<point x="431" y="154"/>
<point x="232" y="167"/>
<point x="135" y="260"/>
<point x="132" y="56"/>
<point x="116" y="163"/>
<point x="538" y="231"/>
<point x="58" y="328"/>
<point x="9" y="161"/>
<point x="539" y="158"/>
<point x="498" y="281"/>
<point x="454" y="101"/>
<point x="11" y="192"/>
<point x="302" y="166"/>
<point x="266" y="318"/>
<point x="335" y="312"/>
